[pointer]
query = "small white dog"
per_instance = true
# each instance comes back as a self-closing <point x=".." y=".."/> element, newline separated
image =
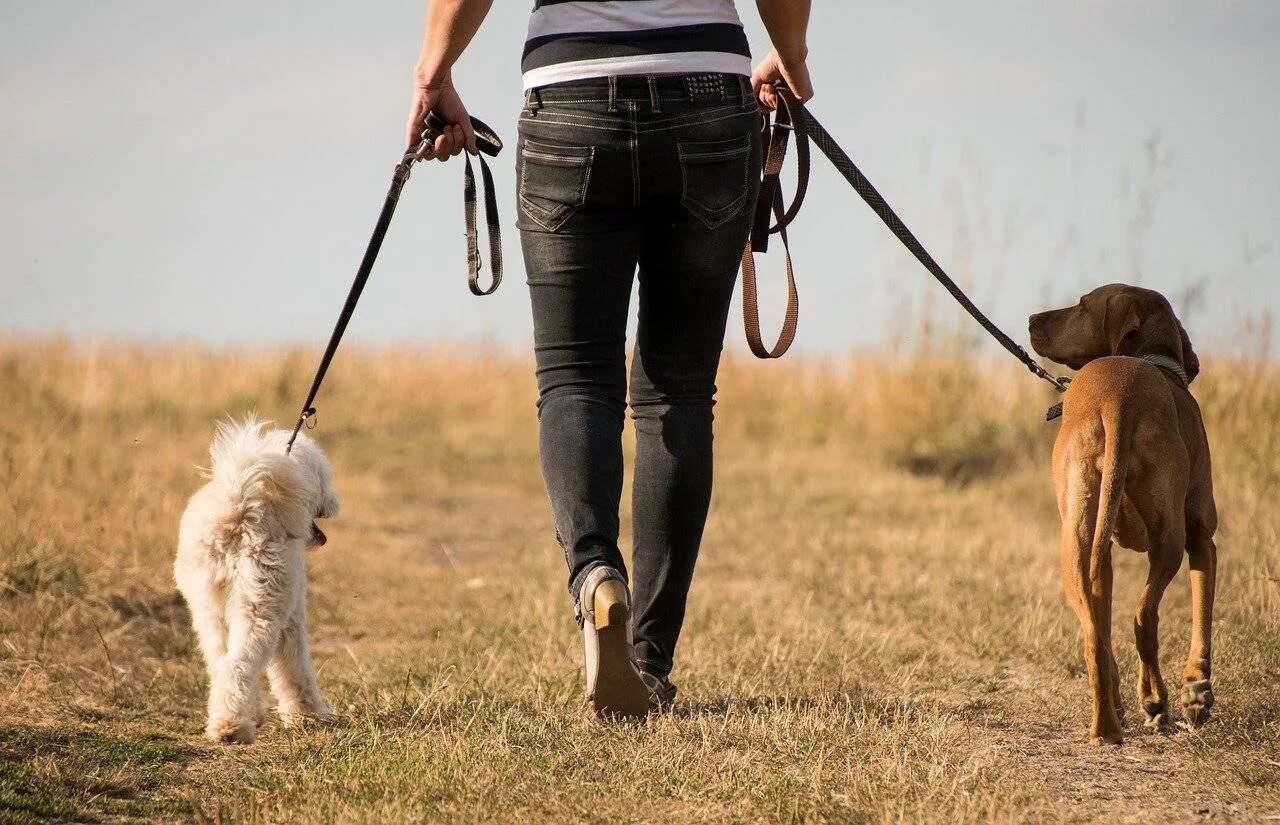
<point x="240" y="567"/>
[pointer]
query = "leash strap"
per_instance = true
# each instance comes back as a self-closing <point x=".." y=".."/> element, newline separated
<point x="751" y="299"/>
<point x="487" y="142"/>
<point x="806" y="128"/>
<point x="770" y="203"/>
<point x="474" y="263"/>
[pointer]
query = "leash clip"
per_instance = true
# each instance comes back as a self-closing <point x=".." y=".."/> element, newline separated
<point x="1055" y="411"/>
<point x="307" y="419"/>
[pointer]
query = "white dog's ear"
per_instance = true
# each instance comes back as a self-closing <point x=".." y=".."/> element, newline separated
<point x="329" y="504"/>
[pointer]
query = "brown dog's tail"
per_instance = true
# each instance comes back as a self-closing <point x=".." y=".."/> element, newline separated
<point x="1117" y="431"/>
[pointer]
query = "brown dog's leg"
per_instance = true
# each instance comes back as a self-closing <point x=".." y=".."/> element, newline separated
<point x="1165" y="557"/>
<point x="1090" y="597"/>
<point x="1197" y="694"/>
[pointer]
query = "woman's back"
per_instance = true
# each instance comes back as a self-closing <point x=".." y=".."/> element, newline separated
<point x="595" y="38"/>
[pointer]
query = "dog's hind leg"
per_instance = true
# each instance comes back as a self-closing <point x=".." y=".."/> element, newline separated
<point x="256" y="616"/>
<point x="205" y="603"/>
<point x="291" y="673"/>
<point x="1197" y="692"/>
<point x="1087" y="502"/>
<point x="1165" y="557"/>
<point x="1091" y="600"/>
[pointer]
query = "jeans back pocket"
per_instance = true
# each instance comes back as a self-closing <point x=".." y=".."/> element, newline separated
<point x="714" y="173"/>
<point x="553" y="181"/>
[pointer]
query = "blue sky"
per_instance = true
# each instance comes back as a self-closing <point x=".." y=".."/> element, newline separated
<point x="211" y="171"/>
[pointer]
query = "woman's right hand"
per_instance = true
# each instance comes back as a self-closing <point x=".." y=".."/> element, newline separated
<point x="794" y="71"/>
<point x="443" y="99"/>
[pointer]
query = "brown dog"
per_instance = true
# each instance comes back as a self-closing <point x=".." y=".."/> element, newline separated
<point x="1132" y="462"/>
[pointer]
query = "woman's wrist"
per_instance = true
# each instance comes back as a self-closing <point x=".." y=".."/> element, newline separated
<point x="793" y="52"/>
<point x="428" y="74"/>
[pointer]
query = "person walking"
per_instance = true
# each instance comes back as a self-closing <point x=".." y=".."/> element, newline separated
<point x="639" y="152"/>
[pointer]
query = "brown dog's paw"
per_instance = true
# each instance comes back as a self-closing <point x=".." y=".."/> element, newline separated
<point x="1157" y="717"/>
<point x="1107" y="734"/>
<point x="1197" y="699"/>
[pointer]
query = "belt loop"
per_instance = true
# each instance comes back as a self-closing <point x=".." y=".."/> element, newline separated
<point x="613" y="93"/>
<point x="748" y="95"/>
<point x="655" y="102"/>
<point x="532" y="101"/>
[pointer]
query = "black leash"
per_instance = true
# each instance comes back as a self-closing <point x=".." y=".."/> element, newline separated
<point x="488" y="142"/>
<point x="792" y="116"/>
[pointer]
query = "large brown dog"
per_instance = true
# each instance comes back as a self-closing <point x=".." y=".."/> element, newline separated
<point x="1132" y="461"/>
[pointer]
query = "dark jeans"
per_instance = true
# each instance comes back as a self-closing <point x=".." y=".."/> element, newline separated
<point x="659" y="174"/>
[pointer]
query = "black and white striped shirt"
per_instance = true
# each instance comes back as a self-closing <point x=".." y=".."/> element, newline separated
<point x="579" y="39"/>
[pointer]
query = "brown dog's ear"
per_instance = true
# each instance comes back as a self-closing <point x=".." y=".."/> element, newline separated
<point x="1121" y="323"/>
<point x="1190" y="362"/>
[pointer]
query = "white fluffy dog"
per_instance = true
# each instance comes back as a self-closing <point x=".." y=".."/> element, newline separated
<point x="240" y="567"/>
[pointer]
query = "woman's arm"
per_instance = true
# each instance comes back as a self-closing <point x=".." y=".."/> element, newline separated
<point x="788" y="24"/>
<point x="450" y="26"/>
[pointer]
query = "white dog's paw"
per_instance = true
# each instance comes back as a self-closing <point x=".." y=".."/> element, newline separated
<point x="312" y="716"/>
<point x="231" y="731"/>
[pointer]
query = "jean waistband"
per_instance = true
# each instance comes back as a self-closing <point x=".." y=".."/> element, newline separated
<point x="712" y="87"/>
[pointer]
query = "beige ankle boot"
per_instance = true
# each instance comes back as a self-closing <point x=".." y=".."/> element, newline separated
<point x="613" y="683"/>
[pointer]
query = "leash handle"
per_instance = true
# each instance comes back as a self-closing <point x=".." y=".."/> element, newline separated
<point x="775" y="135"/>
<point x="487" y="143"/>
<point x="751" y="296"/>
<point x="487" y="140"/>
<point x="474" y="262"/>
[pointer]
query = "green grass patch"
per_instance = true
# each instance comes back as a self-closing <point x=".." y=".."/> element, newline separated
<point x="86" y="775"/>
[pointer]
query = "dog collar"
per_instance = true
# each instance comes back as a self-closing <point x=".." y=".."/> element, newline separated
<point x="1165" y="362"/>
<point x="1161" y="361"/>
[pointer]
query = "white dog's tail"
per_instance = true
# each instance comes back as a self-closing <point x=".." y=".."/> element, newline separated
<point x="268" y="492"/>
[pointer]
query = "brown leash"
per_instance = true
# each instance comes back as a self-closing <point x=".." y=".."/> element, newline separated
<point x="793" y="118"/>
<point x="774" y="136"/>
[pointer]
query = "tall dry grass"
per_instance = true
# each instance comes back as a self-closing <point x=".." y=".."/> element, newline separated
<point x="876" y="633"/>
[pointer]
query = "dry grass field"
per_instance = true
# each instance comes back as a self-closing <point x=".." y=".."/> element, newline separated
<point x="876" y="633"/>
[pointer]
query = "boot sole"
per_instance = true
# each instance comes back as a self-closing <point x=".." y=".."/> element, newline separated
<point x="618" y="689"/>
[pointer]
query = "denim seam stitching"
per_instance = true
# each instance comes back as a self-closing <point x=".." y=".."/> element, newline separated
<point x="680" y="119"/>
<point x="532" y="209"/>
<point x="727" y="116"/>
<point x="635" y="158"/>
<point x="551" y="100"/>
<point x="703" y="212"/>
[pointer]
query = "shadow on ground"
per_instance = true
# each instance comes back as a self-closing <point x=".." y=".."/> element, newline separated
<point x="82" y="775"/>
